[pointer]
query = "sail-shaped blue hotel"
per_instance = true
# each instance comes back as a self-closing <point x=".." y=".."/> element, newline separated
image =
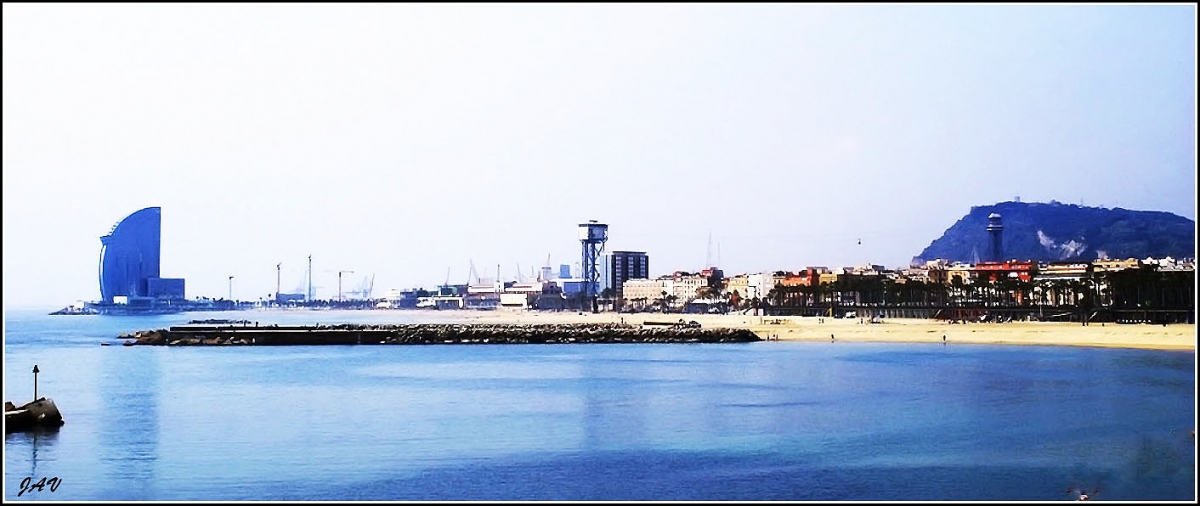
<point x="129" y="263"/>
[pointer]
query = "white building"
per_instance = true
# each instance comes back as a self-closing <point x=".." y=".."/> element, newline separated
<point x="644" y="290"/>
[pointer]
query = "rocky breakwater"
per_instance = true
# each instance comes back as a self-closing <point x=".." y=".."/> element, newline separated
<point x="196" y="335"/>
<point x="41" y="413"/>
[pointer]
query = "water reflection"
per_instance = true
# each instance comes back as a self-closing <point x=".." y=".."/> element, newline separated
<point x="128" y="434"/>
<point x="38" y="440"/>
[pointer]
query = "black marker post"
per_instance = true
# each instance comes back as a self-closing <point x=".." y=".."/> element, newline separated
<point x="35" y="371"/>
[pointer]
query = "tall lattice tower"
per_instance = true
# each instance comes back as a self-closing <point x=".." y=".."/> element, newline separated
<point x="593" y="236"/>
<point x="995" y="232"/>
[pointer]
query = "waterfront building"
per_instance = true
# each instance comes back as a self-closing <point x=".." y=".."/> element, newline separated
<point x="621" y="266"/>
<point x="996" y="271"/>
<point x="685" y="286"/>
<point x="1064" y="271"/>
<point x="641" y="293"/>
<point x="739" y="284"/>
<point x="570" y="286"/>
<point x="539" y="294"/>
<point x="1116" y="265"/>
<point x="759" y="284"/>
<point x="129" y="261"/>
<point x="919" y="273"/>
<point x="810" y="276"/>
<point x="165" y="288"/>
<point x="958" y="270"/>
<point x="516" y="301"/>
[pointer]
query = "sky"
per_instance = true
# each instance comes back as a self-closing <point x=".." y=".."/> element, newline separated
<point x="406" y="142"/>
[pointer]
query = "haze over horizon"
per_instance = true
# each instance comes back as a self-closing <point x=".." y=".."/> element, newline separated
<point x="402" y="140"/>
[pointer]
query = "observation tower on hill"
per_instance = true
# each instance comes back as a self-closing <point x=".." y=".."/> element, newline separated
<point x="995" y="231"/>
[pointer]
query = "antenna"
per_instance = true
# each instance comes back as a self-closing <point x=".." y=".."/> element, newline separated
<point x="309" y="295"/>
<point x="708" y="253"/>
<point x="277" y="277"/>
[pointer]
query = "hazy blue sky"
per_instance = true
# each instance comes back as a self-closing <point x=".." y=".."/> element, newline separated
<point x="404" y="140"/>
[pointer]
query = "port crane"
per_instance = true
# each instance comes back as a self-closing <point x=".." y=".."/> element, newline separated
<point x="366" y="288"/>
<point x="472" y="274"/>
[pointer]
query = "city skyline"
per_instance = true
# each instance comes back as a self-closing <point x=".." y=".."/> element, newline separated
<point x="403" y="140"/>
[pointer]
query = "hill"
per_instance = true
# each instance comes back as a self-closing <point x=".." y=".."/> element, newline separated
<point x="1058" y="232"/>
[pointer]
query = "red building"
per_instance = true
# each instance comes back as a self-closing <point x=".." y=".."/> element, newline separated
<point x="995" y="271"/>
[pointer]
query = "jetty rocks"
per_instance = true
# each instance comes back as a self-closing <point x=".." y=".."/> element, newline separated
<point x="41" y="413"/>
<point x="276" y="335"/>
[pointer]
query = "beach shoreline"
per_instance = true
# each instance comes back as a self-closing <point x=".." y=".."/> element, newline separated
<point x="1180" y="337"/>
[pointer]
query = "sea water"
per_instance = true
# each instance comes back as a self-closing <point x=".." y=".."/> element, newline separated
<point x="749" y="421"/>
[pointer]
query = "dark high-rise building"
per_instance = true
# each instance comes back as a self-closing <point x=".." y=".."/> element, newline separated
<point x="995" y="230"/>
<point x="129" y="257"/>
<point x="626" y="265"/>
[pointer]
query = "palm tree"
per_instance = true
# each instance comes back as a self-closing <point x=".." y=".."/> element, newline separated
<point x="956" y="285"/>
<point x="981" y="290"/>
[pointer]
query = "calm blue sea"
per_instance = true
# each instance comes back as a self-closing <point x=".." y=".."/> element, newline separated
<point x="755" y="421"/>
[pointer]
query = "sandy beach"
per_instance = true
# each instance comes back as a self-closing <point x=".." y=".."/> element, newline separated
<point x="785" y="328"/>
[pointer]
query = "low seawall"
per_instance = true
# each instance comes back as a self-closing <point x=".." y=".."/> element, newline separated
<point x="202" y="335"/>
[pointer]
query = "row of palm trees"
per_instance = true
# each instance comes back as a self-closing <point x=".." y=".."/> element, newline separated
<point x="1128" y="289"/>
<point x="1145" y="288"/>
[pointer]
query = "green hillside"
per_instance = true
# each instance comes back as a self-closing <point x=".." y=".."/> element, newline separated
<point x="1058" y="232"/>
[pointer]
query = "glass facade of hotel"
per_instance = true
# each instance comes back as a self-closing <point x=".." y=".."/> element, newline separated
<point x="129" y="255"/>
